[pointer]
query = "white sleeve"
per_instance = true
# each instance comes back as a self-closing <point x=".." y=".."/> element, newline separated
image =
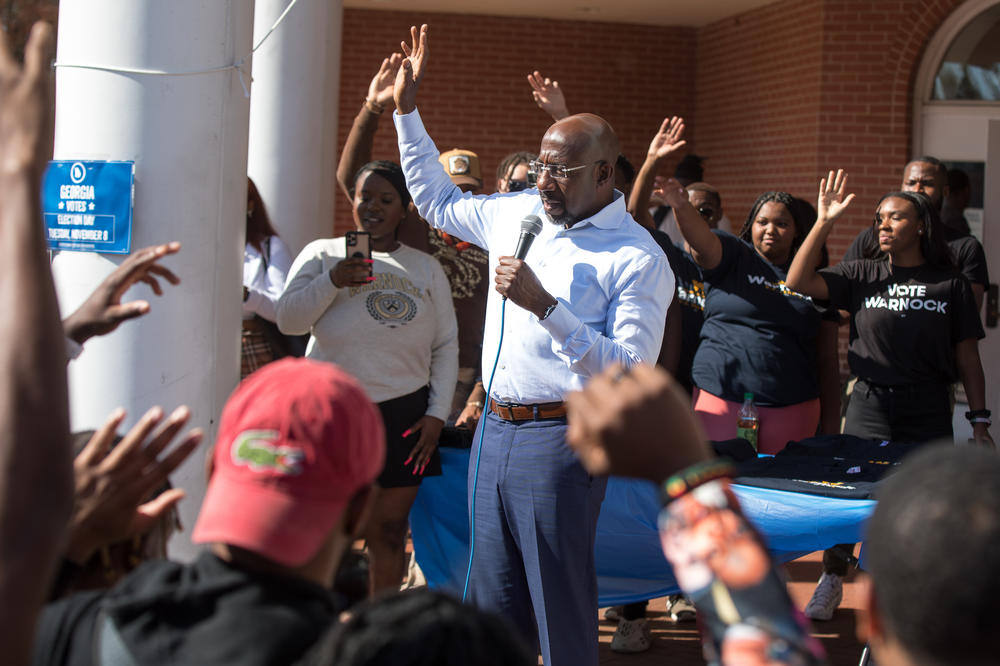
<point x="444" y="351"/>
<point x="308" y="292"/>
<point x="634" y="332"/>
<point x="266" y="285"/>
<point x="439" y="200"/>
<point x="73" y="349"/>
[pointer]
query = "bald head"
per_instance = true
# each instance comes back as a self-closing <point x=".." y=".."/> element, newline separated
<point x="587" y="147"/>
<point x="590" y="134"/>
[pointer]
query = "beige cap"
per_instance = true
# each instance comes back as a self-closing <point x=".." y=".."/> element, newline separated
<point x="462" y="166"/>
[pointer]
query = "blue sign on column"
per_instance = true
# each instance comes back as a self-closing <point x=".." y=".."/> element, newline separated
<point x="87" y="205"/>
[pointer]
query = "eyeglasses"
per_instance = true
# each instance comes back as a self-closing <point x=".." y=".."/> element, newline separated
<point x="517" y="185"/>
<point x="556" y="171"/>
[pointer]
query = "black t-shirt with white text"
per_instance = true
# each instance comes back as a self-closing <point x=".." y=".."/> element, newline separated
<point x="905" y="321"/>
<point x="758" y="335"/>
<point x="966" y="251"/>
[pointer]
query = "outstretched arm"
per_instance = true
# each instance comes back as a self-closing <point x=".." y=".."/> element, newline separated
<point x="113" y="486"/>
<point x="358" y="147"/>
<point x="616" y="426"/>
<point x="35" y="472"/>
<point x="831" y="204"/>
<point x="103" y="310"/>
<point x="548" y="96"/>
<point x="705" y="246"/>
<point x="663" y="152"/>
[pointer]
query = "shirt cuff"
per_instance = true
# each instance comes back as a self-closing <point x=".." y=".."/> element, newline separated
<point x="561" y="323"/>
<point x="253" y="301"/>
<point x="73" y="349"/>
<point x="409" y="126"/>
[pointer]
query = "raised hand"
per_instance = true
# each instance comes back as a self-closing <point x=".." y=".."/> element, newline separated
<point x="26" y="114"/>
<point x="113" y="486"/>
<point x="103" y="310"/>
<point x="667" y="140"/>
<point x="548" y="95"/>
<point x="381" y="88"/>
<point x="634" y="423"/>
<point x="671" y="191"/>
<point x="832" y="203"/>
<point x="411" y="70"/>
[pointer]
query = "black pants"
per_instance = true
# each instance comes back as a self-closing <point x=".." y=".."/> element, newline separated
<point x="918" y="413"/>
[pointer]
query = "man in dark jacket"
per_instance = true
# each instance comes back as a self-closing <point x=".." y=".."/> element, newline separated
<point x="299" y="446"/>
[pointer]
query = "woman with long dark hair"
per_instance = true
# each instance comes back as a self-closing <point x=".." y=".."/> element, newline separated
<point x="389" y="321"/>
<point x="266" y="261"/>
<point x="758" y="336"/>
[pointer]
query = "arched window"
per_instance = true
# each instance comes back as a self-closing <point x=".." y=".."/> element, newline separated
<point x="970" y="69"/>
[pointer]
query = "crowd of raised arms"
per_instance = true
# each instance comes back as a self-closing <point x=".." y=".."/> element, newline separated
<point x="637" y="325"/>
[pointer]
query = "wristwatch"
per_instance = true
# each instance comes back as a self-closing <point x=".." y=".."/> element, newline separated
<point x="548" y="311"/>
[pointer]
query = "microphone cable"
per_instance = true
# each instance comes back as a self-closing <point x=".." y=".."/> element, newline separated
<point x="531" y="226"/>
<point x="479" y="453"/>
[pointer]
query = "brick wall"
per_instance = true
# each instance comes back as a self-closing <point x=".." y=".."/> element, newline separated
<point x="790" y="90"/>
<point x="870" y="55"/>
<point x="476" y="94"/>
<point x="757" y="94"/>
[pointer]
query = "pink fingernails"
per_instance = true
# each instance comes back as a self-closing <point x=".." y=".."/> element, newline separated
<point x="407" y="461"/>
<point x="406" y="433"/>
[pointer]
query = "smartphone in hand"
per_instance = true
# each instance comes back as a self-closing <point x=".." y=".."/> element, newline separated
<point x="359" y="244"/>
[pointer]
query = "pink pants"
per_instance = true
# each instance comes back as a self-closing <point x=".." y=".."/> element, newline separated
<point x="778" y="425"/>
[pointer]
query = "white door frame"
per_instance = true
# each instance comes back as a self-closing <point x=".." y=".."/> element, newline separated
<point x="967" y="131"/>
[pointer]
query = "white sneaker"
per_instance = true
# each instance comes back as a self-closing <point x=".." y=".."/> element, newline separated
<point x="613" y="613"/>
<point x="414" y="575"/>
<point x="680" y="608"/>
<point x="828" y="595"/>
<point x="631" y="636"/>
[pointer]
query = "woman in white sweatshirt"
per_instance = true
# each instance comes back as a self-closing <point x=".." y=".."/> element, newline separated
<point x="389" y="321"/>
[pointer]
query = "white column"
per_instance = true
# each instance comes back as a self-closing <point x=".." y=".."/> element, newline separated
<point x="293" y="117"/>
<point x="188" y="138"/>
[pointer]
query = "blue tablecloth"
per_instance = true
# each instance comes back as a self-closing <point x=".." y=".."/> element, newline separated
<point x="630" y="564"/>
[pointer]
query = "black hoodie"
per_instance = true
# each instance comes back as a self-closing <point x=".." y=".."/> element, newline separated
<point x="206" y="612"/>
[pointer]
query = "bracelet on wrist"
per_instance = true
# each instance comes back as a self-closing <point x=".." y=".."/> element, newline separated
<point x="974" y="414"/>
<point x="475" y="403"/>
<point x="374" y="107"/>
<point x="690" y="478"/>
<point x="980" y="419"/>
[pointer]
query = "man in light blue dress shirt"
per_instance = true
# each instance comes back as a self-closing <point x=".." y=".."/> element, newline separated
<point x="596" y="293"/>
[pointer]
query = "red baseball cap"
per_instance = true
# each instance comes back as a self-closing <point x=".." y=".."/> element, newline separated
<point x="297" y="439"/>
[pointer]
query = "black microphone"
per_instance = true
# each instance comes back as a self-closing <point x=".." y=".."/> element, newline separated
<point x="531" y="226"/>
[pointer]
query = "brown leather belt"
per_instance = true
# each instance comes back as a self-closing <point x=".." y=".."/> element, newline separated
<point x="543" y="410"/>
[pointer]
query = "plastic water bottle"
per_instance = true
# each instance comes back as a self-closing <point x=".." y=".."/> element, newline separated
<point x="748" y="421"/>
